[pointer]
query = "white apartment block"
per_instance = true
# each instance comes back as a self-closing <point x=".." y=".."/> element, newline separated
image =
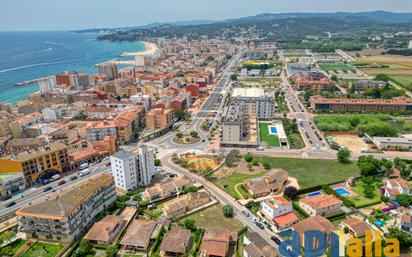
<point x="133" y="168"/>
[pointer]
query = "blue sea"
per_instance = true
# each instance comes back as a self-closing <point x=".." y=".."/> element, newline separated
<point x="29" y="55"/>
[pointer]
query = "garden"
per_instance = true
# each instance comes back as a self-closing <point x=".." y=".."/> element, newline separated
<point x="372" y="124"/>
<point x="265" y="136"/>
<point x="43" y="249"/>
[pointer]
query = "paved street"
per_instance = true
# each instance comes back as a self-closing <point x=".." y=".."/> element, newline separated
<point x="36" y="194"/>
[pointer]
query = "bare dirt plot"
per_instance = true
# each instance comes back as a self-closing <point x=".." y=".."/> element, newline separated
<point x="352" y="142"/>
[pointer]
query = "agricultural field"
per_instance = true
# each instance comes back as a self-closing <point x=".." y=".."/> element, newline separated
<point x="335" y="66"/>
<point x="398" y="68"/>
<point x="372" y="124"/>
<point x="260" y="82"/>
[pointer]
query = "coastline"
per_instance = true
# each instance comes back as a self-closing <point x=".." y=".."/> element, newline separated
<point x="151" y="49"/>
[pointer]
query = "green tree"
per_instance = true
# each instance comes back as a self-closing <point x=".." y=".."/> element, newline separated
<point x="189" y="224"/>
<point x="111" y="251"/>
<point x="266" y="165"/>
<point x="190" y="189"/>
<point x="248" y="158"/>
<point x="343" y="155"/>
<point x="194" y="133"/>
<point x="227" y="211"/>
<point x="255" y="162"/>
<point x="404" y="200"/>
<point x="179" y="134"/>
<point x="405" y="239"/>
<point x="157" y="162"/>
<point x="382" y="77"/>
<point x="233" y="77"/>
<point x="334" y="78"/>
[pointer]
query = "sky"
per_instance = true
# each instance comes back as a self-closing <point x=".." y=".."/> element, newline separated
<point x="82" y="14"/>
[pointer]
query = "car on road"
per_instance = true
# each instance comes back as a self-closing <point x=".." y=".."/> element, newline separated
<point x="73" y="178"/>
<point x="47" y="189"/>
<point x="260" y="225"/>
<point x="310" y="142"/>
<point x="275" y="239"/>
<point x="10" y="204"/>
<point x="61" y="182"/>
<point x="6" y="198"/>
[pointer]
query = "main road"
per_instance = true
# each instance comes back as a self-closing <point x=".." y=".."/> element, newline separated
<point x="36" y="194"/>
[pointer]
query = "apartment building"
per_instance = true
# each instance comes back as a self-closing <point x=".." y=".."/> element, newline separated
<point x="109" y="70"/>
<point x="66" y="217"/>
<point x="234" y="125"/>
<point x="98" y="130"/>
<point x="11" y="183"/>
<point x="310" y="83"/>
<point x="259" y="103"/>
<point x="399" y="104"/>
<point x="133" y="168"/>
<point x="35" y="163"/>
<point x="21" y="123"/>
<point x="321" y="205"/>
<point x="159" y="118"/>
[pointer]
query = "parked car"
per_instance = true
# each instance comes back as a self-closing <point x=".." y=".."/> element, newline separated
<point x="275" y="239"/>
<point x="61" y="182"/>
<point x="47" y="189"/>
<point x="73" y="178"/>
<point x="260" y="225"/>
<point x="10" y="204"/>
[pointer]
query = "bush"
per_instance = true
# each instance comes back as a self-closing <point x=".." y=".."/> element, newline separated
<point x="255" y="162"/>
<point x="290" y="192"/>
<point x="343" y="156"/>
<point x="227" y="211"/>
<point x="157" y="162"/>
<point x="189" y="224"/>
<point x="384" y="198"/>
<point x="248" y="158"/>
<point x="111" y="251"/>
<point x="266" y="165"/>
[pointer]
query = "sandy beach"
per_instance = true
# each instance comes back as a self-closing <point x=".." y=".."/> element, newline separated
<point x="151" y="49"/>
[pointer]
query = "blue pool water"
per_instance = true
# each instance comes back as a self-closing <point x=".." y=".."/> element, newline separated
<point x="342" y="191"/>
<point x="379" y="223"/>
<point x="273" y="130"/>
<point x="314" y="194"/>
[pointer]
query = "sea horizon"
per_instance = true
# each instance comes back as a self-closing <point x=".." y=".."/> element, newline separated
<point x="27" y="55"/>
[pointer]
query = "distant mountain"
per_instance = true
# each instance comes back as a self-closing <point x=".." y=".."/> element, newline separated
<point x="377" y="16"/>
<point x="147" y="26"/>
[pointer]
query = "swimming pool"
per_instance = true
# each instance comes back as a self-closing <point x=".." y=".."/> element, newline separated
<point x="273" y="130"/>
<point x="313" y="194"/>
<point x="342" y="191"/>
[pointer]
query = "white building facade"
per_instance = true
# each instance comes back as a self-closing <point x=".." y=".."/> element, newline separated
<point x="133" y="168"/>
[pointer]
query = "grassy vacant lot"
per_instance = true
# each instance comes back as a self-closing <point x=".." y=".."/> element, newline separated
<point x="132" y="255"/>
<point x="43" y="249"/>
<point x="228" y="184"/>
<point x="213" y="217"/>
<point x="12" y="248"/>
<point x="271" y="140"/>
<point x="313" y="172"/>
<point x="360" y="199"/>
<point x="334" y="66"/>
<point x="260" y="82"/>
<point x="292" y="132"/>
<point x="373" y="124"/>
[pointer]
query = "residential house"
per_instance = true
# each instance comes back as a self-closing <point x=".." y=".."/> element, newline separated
<point x="185" y="203"/>
<point x="394" y="187"/>
<point x="321" y="205"/>
<point x="273" y="181"/>
<point x="216" y="242"/>
<point x="139" y="235"/>
<point x="105" y="230"/>
<point x="166" y="189"/>
<point x="177" y="242"/>
<point x="313" y="223"/>
<point x="356" y="226"/>
<point x="279" y="211"/>
<point x="256" y="246"/>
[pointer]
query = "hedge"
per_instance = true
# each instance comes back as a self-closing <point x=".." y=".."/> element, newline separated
<point x="347" y="202"/>
<point x="309" y="189"/>
<point x="299" y="209"/>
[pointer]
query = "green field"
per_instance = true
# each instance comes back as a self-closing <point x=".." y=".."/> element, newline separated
<point x="329" y="67"/>
<point x="43" y="249"/>
<point x="314" y="172"/>
<point x="213" y="217"/>
<point x="403" y="81"/>
<point x="271" y="140"/>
